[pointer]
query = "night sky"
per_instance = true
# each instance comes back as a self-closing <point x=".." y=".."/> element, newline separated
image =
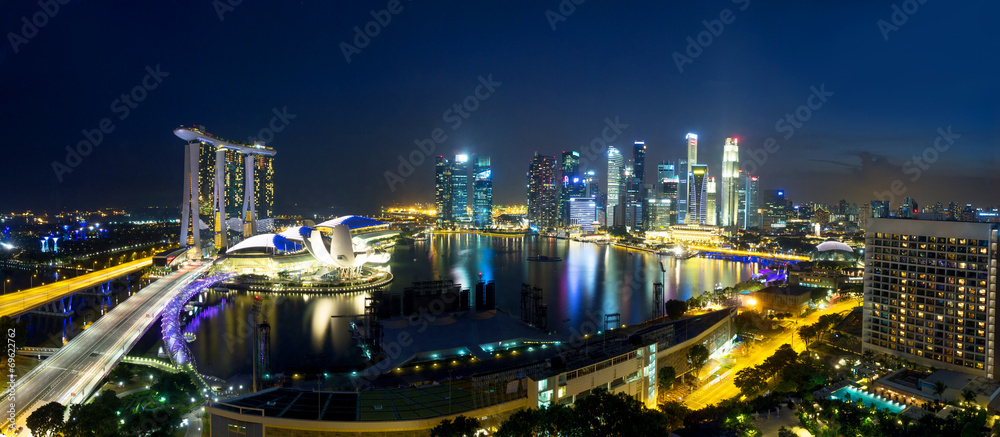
<point x="557" y="87"/>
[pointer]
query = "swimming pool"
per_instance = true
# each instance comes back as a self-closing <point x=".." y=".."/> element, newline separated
<point x="867" y="398"/>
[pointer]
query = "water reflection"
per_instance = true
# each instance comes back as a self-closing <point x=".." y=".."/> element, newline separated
<point x="592" y="280"/>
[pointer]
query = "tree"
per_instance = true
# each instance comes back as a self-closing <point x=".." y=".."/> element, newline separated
<point x="604" y="414"/>
<point x="675" y="413"/>
<point x="460" y="427"/>
<point x="750" y="380"/>
<point x="807" y="333"/>
<point x="697" y="356"/>
<point x="93" y="419"/>
<point x="676" y="309"/>
<point x="175" y="386"/>
<point x="781" y="358"/>
<point x="939" y="388"/>
<point x="47" y="419"/>
<point x="666" y="378"/>
<point x="969" y="396"/>
<point x="785" y="432"/>
<point x="121" y="373"/>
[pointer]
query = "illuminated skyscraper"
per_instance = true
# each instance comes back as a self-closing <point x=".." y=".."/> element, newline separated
<point x="442" y="190"/>
<point x="685" y="179"/>
<point x="749" y="213"/>
<point x="482" y="192"/>
<point x="730" y="183"/>
<point x="615" y="166"/>
<point x="638" y="203"/>
<point x="264" y="186"/>
<point x="460" y="189"/>
<point x="571" y="184"/>
<point x="698" y="195"/>
<point x="543" y="198"/>
<point x="665" y="189"/>
<point x="711" y="208"/>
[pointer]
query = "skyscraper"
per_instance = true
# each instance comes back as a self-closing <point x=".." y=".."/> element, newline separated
<point x="683" y="177"/>
<point x="482" y="192"/>
<point x="750" y="212"/>
<point x="925" y="306"/>
<point x="460" y="189"/>
<point x="639" y="204"/>
<point x="711" y="207"/>
<point x="698" y="195"/>
<point x="263" y="178"/>
<point x="442" y="190"/>
<point x="665" y="196"/>
<point x="730" y="183"/>
<point x="880" y="208"/>
<point x="692" y="159"/>
<point x="775" y="210"/>
<point x="583" y="212"/>
<point x="543" y="205"/>
<point x="615" y="166"/>
<point x="571" y="184"/>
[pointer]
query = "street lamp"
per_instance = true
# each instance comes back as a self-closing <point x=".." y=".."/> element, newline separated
<point x="5" y="285"/>
<point x="32" y="280"/>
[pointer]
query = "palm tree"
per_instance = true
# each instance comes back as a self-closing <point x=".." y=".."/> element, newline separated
<point x="969" y="396"/>
<point x="939" y="388"/>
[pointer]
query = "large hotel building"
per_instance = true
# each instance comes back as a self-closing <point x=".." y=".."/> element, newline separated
<point x="930" y="293"/>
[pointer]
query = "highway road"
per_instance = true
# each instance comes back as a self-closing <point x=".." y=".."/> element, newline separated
<point x="70" y="375"/>
<point x="724" y="389"/>
<point x="16" y="303"/>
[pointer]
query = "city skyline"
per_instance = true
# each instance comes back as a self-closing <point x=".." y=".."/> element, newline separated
<point x="864" y="134"/>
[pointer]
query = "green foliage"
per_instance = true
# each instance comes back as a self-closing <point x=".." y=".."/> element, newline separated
<point x="598" y="414"/>
<point x="176" y="387"/>
<point x="666" y="377"/>
<point x="93" y="419"/>
<point x="785" y="432"/>
<point x="619" y="231"/>
<point x="460" y="427"/>
<point x="121" y="373"/>
<point x="697" y="356"/>
<point x="676" y="309"/>
<point x="750" y="380"/>
<point x="47" y="419"/>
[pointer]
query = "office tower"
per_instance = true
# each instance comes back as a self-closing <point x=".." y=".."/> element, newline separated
<point x="880" y="208"/>
<point x="711" y="207"/>
<point x="968" y="213"/>
<point x="751" y="209"/>
<point x="864" y="216"/>
<point x="934" y="305"/>
<point x="482" y="192"/>
<point x="908" y="208"/>
<point x="593" y="184"/>
<point x="442" y="190"/>
<point x="665" y="196"/>
<point x="775" y="210"/>
<point x="572" y="185"/>
<point x="741" y="200"/>
<point x="640" y="202"/>
<point x="729" y="205"/>
<point x="543" y="197"/>
<point x="583" y="212"/>
<point x="698" y="195"/>
<point x="954" y="211"/>
<point x="460" y="188"/>
<point x="683" y="177"/>
<point x="616" y="164"/>
<point x="627" y="198"/>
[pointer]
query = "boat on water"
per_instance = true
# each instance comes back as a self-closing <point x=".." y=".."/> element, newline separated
<point x="543" y="258"/>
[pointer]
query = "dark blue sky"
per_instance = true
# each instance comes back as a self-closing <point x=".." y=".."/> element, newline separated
<point x="606" y="60"/>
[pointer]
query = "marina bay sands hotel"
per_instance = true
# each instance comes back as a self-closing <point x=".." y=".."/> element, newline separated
<point x="228" y="185"/>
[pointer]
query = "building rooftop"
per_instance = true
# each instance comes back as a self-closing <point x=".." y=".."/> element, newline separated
<point x="788" y="290"/>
